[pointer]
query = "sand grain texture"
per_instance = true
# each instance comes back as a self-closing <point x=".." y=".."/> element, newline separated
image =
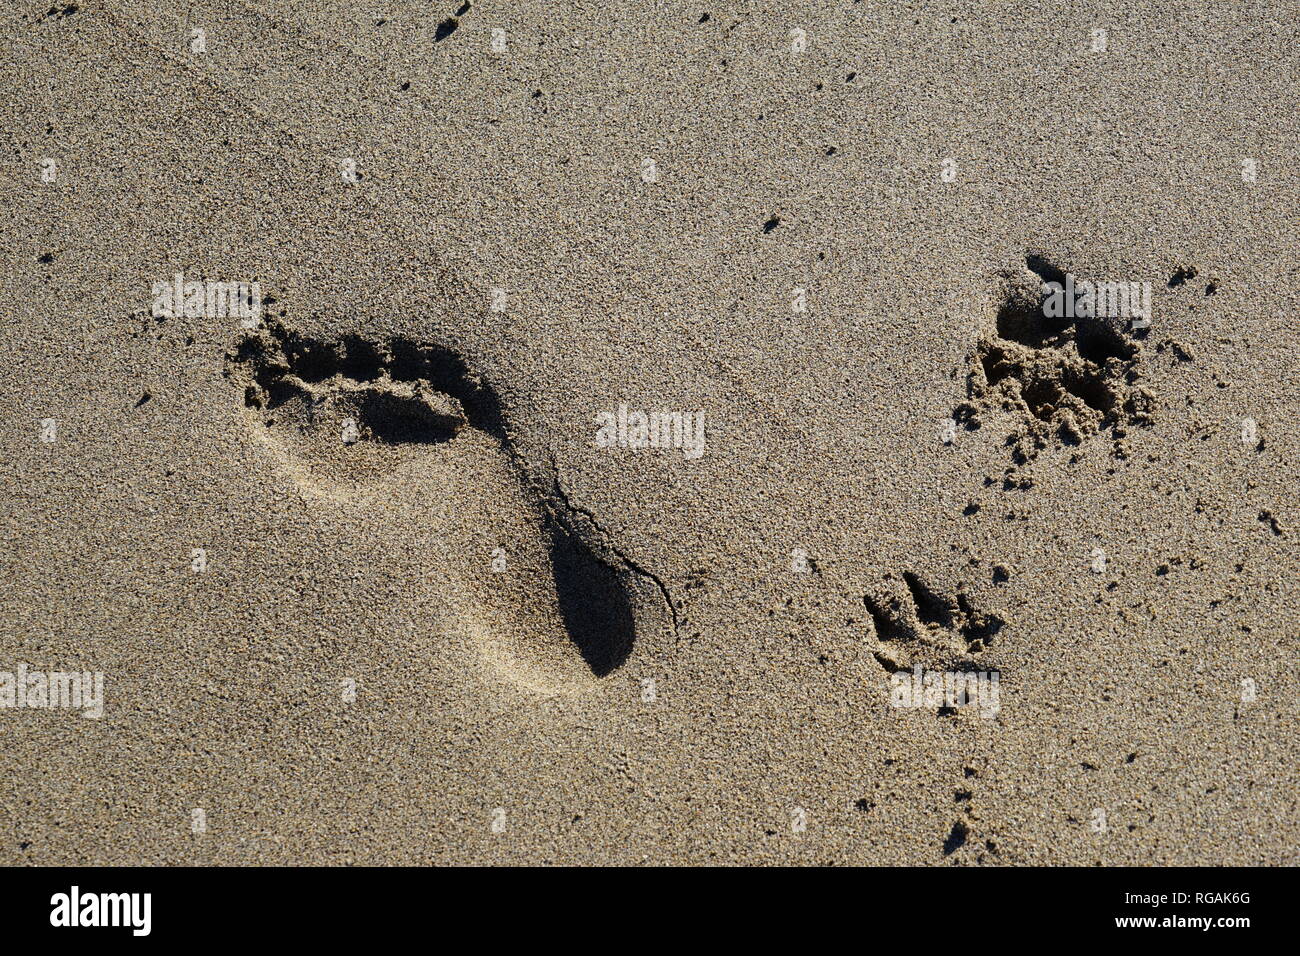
<point x="769" y="736"/>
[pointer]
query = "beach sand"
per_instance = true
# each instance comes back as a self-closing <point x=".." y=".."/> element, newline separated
<point x="380" y="579"/>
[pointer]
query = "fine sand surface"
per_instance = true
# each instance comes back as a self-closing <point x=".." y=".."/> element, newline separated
<point x="367" y="585"/>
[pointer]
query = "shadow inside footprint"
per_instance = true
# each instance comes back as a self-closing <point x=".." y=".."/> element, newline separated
<point x="397" y="419"/>
<point x="593" y="602"/>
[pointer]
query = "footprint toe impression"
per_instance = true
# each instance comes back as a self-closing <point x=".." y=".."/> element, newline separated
<point x="352" y="411"/>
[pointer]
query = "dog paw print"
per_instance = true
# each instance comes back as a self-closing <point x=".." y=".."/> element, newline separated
<point x="913" y="619"/>
<point x="1063" y="376"/>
